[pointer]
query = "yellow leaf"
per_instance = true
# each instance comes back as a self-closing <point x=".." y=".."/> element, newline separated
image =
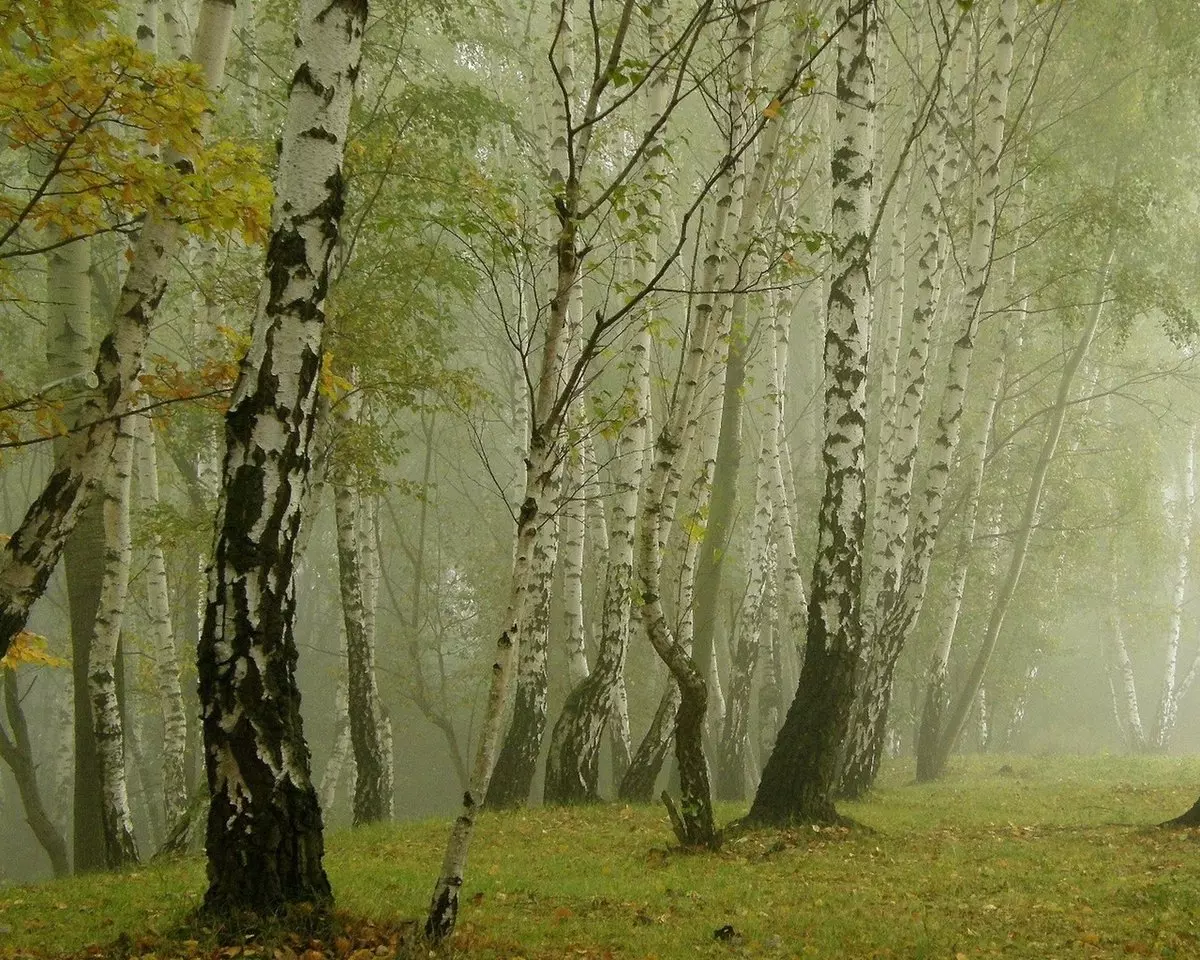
<point x="771" y="110"/>
<point x="31" y="648"/>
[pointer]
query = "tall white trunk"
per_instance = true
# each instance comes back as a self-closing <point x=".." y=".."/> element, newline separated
<point x="1185" y="516"/>
<point x="119" y="843"/>
<point x="162" y="635"/>
<point x="341" y="757"/>
<point x="264" y="841"/>
<point x="800" y="775"/>
<point x="574" y="531"/>
<point x="900" y="611"/>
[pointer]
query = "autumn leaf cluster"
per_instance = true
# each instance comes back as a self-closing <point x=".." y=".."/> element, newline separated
<point x="88" y="119"/>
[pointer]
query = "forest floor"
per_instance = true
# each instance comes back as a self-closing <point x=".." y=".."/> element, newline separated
<point x="1007" y="857"/>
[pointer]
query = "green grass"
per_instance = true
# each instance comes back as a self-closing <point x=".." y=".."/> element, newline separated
<point x="1049" y="858"/>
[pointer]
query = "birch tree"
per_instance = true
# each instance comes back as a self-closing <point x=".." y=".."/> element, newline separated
<point x="264" y="839"/>
<point x="801" y="774"/>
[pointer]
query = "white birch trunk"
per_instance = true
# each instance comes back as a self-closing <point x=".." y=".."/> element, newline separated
<point x="1124" y="685"/>
<point x="1185" y="509"/>
<point x="341" y="758"/>
<point x="901" y="609"/>
<point x="264" y="841"/>
<point x="574" y="527"/>
<point x="120" y="846"/>
<point x="961" y="707"/>
<point x="801" y="774"/>
<point x="162" y="636"/>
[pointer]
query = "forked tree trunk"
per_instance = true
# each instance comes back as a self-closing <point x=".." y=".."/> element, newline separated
<point x="17" y="752"/>
<point x="802" y="771"/>
<point x="894" y="487"/>
<point x="264" y="839"/>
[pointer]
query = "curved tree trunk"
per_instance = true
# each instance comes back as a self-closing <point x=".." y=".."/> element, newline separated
<point x="900" y="603"/>
<point x="30" y="555"/>
<point x="637" y="786"/>
<point x="17" y="752"/>
<point x="961" y="707"/>
<point x="264" y="839"/>
<point x="516" y="765"/>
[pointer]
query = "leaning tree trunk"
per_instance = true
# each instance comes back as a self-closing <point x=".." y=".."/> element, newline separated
<point x="120" y="848"/>
<point x="894" y="484"/>
<point x="961" y="708"/>
<point x="17" y="752"/>
<point x="264" y="840"/>
<point x="802" y="771"/>
<point x="542" y="466"/>
<point x="572" y="766"/>
<point x="29" y="557"/>
<point x="516" y="765"/>
<point x="937" y="675"/>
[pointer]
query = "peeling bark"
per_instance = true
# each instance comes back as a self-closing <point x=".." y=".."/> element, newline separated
<point x="803" y="769"/>
<point x="264" y="838"/>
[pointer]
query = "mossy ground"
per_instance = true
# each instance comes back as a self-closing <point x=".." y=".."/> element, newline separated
<point x="1008" y="857"/>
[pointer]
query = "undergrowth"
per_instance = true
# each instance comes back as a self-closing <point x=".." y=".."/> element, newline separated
<point x="1007" y="857"/>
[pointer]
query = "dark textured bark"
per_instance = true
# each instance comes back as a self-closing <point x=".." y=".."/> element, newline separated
<point x="637" y="786"/>
<point x="512" y="777"/>
<point x="1189" y="818"/>
<point x="17" y="753"/>
<point x="84" y="546"/>
<point x="371" y="802"/>
<point x="573" y="765"/>
<point x="869" y="725"/>
<point x="695" y="807"/>
<point x="933" y="716"/>
<point x="730" y="781"/>
<point x="804" y="768"/>
<point x="711" y="563"/>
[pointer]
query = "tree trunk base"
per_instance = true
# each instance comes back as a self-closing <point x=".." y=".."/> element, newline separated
<point x="1190" y="818"/>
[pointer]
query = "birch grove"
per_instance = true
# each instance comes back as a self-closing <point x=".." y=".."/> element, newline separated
<point x="447" y="410"/>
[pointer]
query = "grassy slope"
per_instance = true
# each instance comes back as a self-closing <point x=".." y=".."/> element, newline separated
<point x="1051" y="860"/>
